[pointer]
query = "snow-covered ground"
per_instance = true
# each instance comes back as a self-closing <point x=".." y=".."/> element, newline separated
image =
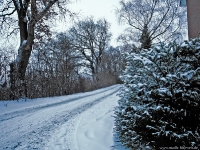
<point x="82" y="121"/>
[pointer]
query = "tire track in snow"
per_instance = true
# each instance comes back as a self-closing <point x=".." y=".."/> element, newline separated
<point x="69" y="115"/>
<point x="36" y="137"/>
<point x="11" y="115"/>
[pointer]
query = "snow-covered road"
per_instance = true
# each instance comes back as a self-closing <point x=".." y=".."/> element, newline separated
<point x="81" y="121"/>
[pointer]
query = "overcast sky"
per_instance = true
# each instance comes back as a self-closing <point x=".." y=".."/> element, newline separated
<point x="99" y="9"/>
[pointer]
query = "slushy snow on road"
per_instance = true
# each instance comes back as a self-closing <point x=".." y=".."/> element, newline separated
<point x="82" y="121"/>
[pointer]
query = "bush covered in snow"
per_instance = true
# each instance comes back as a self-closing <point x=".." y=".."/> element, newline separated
<point x="160" y="100"/>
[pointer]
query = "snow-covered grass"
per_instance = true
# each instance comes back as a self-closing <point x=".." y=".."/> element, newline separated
<point x="82" y="121"/>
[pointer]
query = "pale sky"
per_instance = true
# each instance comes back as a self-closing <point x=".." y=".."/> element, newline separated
<point x="96" y="8"/>
<point x="100" y="9"/>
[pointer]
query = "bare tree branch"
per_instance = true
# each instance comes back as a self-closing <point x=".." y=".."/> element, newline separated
<point x="151" y="19"/>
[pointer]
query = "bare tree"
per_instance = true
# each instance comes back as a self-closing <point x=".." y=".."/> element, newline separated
<point x="53" y="68"/>
<point x="24" y="16"/>
<point x="5" y="57"/>
<point x="151" y="20"/>
<point x="111" y="66"/>
<point x="90" y="39"/>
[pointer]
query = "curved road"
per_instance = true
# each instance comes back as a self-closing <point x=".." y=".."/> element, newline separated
<point x="32" y="127"/>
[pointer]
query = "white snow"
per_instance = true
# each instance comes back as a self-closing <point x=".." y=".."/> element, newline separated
<point x="82" y="121"/>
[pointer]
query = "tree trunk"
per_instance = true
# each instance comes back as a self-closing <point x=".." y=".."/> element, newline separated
<point x="18" y="88"/>
<point x="17" y="73"/>
<point x="145" y="38"/>
<point x="19" y="65"/>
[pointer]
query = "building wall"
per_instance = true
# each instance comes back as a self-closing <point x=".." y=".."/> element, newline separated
<point x="193" y="14"/>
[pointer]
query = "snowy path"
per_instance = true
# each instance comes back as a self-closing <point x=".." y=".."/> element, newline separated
<point x="76" y="122"/>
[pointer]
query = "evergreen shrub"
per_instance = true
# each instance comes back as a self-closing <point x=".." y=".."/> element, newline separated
<point x="160" y="99"/>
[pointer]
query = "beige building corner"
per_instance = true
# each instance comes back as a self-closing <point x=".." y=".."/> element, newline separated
<point x="193" y="15"/>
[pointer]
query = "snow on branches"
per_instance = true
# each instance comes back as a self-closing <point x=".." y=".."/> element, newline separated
<point x="160" y="100"/>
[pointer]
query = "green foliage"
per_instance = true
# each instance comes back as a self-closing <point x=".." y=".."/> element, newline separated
<point x="160" y="100"/>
